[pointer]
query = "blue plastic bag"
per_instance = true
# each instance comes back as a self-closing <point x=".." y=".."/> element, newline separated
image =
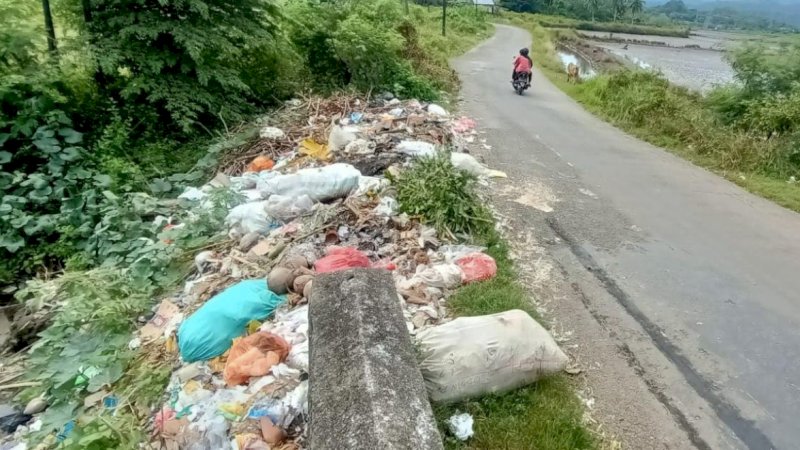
<point x="210" y="331"/>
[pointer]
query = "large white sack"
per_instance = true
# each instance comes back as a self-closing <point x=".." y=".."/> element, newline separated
<point x="473" y="356"/>
<point x="320" y="184"/>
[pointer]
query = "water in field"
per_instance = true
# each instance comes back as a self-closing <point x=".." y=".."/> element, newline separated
<point x="584" y="67"/>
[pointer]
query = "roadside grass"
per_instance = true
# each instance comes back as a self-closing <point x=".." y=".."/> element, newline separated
<point x="647" y="106"/>
<point x="544" y="416"/>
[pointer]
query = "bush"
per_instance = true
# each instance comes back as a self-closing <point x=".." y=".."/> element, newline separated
<point x="443" y="196"/>
<point x="175" y="61"/>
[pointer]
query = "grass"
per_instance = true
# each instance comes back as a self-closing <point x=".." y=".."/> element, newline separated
<point x="546" y="415"/>
<point x="651" y="109"/>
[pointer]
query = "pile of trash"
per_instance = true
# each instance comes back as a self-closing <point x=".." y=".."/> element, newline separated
<point x="315" y="201"/>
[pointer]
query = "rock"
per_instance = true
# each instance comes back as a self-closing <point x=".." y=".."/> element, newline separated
<point x="437" y="110"/>
<point x="35" y="406"/>
<point x="188" y="372"/>
<point x="362" y="352"/>
<point x="271" y="133"/>
<point x="388" y="96"/>
<point x="248" y="241"/>
<point x="394" y="102"/>
<point x="279" y="280"/>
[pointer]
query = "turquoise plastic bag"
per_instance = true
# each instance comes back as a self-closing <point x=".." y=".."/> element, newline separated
<point x="210" y="331"/>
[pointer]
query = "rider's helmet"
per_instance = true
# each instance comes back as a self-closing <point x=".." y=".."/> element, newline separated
<point x="524" y="52"/>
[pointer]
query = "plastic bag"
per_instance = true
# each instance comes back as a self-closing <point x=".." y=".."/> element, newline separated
<point x="254" y="356"/>
<point x="437" y="110"/>
<point x="386" y="208"/>
<point x="477" y="267"/>
<point x="320" y="184"/>
<point x="286" y="208"/>
<point x="473" y="356"/>
<point x="461" y="426"/>
<point x="250" y="218"/>
<point x="468" y="163"/>
<point x="340" y="136"/>
<point x="447" y="276"/>
<point x="211" y="329"/>
<point x="341" y="258"/>
<point x="373" y="184"/>
<point x="455" y="251"/>
<point x="260" y="163"/>
<point x="282" y="411"/>
<point x="271" y="133"/>
<point x="416" y="148"/>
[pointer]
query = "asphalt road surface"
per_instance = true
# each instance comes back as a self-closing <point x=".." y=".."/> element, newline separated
<point x="709" y="272"/>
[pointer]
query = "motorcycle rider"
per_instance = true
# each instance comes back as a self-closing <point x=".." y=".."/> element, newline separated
<point x="522" y="66"/>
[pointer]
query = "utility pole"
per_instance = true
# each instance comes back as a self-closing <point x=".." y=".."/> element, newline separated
<point x="444" y="17"/>
<point x="49" y="28"/>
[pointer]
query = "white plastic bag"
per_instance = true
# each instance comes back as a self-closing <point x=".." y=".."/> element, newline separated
<point x="374" y="184"/>
<point x="271" y="133"/>
<point x="287" y="208"/>
<point x="340" y="136"/>
<point x="320" y="184"/>
<point x="437" y="110"/>
<point x="249" y="218"/>
<point x="461" y="426"/>
<point x="468" y="163"/>
<point x="416" y="148"/>
<point x="386" y="208"/>
<point x="447" y="276"/>
<point x="473" y="356"/>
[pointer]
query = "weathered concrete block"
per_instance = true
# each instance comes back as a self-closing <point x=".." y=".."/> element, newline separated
<point x="366" y="391"/>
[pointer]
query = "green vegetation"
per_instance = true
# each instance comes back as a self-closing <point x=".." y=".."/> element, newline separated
<point x="444" y="197"/>
<point x="613" y="27"/>
<point x="547" y="415"/>
<point x="749" y="133"/>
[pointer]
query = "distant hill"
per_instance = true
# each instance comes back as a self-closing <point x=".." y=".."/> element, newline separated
<point x="779" y="11"/>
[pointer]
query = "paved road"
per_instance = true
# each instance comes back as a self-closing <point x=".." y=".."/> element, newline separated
<point x="709" y="271"/>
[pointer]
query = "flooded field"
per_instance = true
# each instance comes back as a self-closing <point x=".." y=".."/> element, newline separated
<point x="695" y="69"/>
<point x="709" y="40"/>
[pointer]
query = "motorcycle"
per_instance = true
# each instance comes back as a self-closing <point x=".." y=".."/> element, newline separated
<point x="521" y="83"/>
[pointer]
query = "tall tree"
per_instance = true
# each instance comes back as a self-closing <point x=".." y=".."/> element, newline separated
<point x="49" y="27"/>
<point x="618" y="7"/>
<point x="636" y="7"/>
<point x="594" y="7"/>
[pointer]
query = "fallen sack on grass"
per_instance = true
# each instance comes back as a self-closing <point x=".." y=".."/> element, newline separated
<point x="320" y="184"/>
<point x="476" y="267"/>
<point x="473" y="356"/>
<point x="254" y="356"/>
<point x="210" y="331"/>
<point x="341" y="258"/>
<point x="468" y="163"/>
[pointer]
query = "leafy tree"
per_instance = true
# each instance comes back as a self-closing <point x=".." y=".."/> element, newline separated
<point x="636" y="7"/>
<point x="594" y="7"/>
<point x="175" y="60"/>
<point x="618" y="7"/>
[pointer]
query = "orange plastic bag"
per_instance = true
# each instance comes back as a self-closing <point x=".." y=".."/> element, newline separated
<point x="254" y="356"/>
<point x="260" y="163"/>
<point x="341" y="258"/>
<point x="476" y="267"/>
